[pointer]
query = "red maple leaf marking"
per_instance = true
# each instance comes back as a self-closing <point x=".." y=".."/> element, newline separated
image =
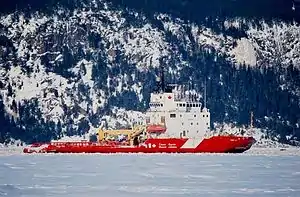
<point x="169" y="97"/>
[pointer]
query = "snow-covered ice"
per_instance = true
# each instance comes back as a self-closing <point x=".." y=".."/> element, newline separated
<point x="269" y="173"/>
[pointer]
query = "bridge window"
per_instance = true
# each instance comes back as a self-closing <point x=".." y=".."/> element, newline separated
<point x="194" y="105"/>
<point x="172" y="115"/>
<point x="183" y="133"/>
<point x="195" y="115"/>
<point x="180" y="105"/>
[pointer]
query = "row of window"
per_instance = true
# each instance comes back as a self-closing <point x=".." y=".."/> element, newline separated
<point x="178" y="105"/>
<point x="188" y="104"/>
<point x="156" y="105"/>
<point x="192" y="123"/>
<point x="174" y="115"/>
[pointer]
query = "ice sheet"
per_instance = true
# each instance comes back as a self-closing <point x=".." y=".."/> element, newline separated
<point x="260" y="173"/>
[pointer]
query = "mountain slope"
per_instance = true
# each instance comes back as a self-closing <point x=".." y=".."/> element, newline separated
<point x="64" y="71"/>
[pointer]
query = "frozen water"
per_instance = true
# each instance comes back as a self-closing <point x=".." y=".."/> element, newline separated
<point x="249" y="174"/>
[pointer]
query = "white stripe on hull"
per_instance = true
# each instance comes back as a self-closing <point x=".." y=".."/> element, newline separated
<point x="192" y="143"/>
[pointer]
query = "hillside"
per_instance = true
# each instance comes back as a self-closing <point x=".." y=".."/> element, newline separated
<point x="67" y="67"/>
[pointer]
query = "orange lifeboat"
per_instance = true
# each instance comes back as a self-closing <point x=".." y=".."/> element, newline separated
<point x="156" y="129"/>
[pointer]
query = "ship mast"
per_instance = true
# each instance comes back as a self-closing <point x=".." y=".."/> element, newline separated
<point x="162" y="78"/>
<point x="160" y="81"/>
<point x="205" y="94"/>
<point x="251" y="120"/>
<point x="251" y="123"/>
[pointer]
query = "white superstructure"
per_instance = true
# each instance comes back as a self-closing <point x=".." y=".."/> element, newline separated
<point x="182" y="114"/>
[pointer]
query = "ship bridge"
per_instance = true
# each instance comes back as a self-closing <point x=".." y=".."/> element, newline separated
<point x="180" y="111"/>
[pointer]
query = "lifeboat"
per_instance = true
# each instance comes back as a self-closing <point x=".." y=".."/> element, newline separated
<point x="156" y="129"/>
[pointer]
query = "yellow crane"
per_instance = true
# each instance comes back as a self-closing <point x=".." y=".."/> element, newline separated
<point x="131" y="133"/>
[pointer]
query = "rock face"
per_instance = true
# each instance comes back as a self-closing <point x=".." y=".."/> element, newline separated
<point x="65" y="71"/>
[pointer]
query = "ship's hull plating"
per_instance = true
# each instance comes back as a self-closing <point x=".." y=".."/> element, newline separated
<point x="215" y="144"/>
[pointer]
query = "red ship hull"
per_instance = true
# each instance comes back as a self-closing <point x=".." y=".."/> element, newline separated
<point x="215" y="144"/>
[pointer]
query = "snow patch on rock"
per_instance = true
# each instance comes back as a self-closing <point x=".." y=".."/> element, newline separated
<point x="244" y="52"/>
